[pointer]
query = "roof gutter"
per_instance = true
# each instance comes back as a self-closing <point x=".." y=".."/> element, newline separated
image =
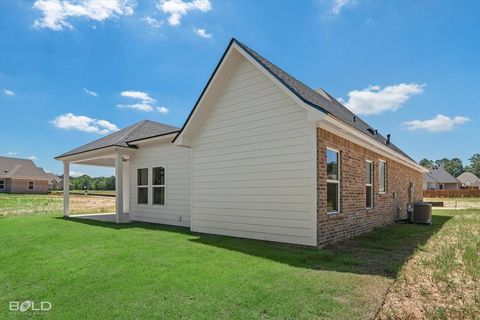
<point x="345" y="131"/>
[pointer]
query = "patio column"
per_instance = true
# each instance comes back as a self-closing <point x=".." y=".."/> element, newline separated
<point x="66" y="189"/>
<point x="120" y="215"/>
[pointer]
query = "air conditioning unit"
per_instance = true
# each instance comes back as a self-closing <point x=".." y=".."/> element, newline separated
<point x="422" y="213"/>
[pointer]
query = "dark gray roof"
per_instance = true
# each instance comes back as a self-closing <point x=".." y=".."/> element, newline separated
<point x="439" y="174"/>
<point x="125" y="137"/>
<point x="20" y="168"/>
<point x="325" y="103"/>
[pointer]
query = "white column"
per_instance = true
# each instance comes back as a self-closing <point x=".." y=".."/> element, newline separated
<point x="66" y="189"/>
<point x="120" y="216"/>
<point x="126" y="186"/>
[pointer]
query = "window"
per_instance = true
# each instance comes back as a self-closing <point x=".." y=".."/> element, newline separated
<point x="30" y="185"/>
<point x="368" y="184"/>
<point x="158" y="185"/>
<point x="142" y="186"/>
<point x="382" y="185"/>
<point x="333" y="181"/>
<point x="2" y="184"/>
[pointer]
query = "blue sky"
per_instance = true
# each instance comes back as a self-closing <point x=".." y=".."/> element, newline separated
<point x="71" y="71"/>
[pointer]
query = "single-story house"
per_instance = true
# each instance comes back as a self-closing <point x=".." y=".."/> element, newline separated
<point x="21" y="176"/>
<point x="261" y="156"/>
<point x="437" y="178"/>
<point x="469" y="180"/>
<point x="54" y="181"/>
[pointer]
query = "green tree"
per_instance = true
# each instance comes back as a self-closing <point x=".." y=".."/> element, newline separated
<point x="474" y="166"/>
<point x="453" y="166"/>
<point x="426" y="163"/>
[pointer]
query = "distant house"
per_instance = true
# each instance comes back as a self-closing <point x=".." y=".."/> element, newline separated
<point x="437" y="178"/>
<point x="54" y="181"/>
<point x="22" y="176"/>
<point x="469" y="180"/>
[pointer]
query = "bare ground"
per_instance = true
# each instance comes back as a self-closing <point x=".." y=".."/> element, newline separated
<point x="17" y="205"/>
<point x="441" y="281"/>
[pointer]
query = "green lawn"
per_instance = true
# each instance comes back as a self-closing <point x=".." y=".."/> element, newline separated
<point x="90" y="269"/>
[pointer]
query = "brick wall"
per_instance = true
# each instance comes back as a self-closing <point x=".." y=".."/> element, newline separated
<point x="21" y="186"/>
<point x="354" y="218"/>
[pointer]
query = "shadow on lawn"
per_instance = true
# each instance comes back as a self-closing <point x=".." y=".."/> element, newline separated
<point x="380" y="252"/>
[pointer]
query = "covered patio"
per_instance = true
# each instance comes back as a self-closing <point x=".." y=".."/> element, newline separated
<point x="114" y="157"/>
<point x="113" y="150"/>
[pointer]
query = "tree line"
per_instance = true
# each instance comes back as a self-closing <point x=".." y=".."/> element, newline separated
<point x="91" y="183"/>
<point x="455" y="166"/>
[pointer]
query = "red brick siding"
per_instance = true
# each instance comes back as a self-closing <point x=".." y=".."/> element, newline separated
<point x="354" y="218"/>
<point x="21" y="186"/>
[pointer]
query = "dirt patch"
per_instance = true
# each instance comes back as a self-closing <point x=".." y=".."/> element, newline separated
<point x="91" y="204"/>
<point x="456" y="203"/>
<point x="441" y="281"/>
<point x="18" y="205"/>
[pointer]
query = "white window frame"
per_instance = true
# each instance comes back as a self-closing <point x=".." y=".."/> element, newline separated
<point x="146" y="186"/>
<point x="335" y="181"/>
<point x="369" y="185"/>
<point x="160" y="186"/>
<point x="2" y="186"/>
<point x="380" y="176"/>
<point x="33" y="186"/>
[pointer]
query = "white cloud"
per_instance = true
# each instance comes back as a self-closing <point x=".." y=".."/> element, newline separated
<point x="163" y="110"/>
<point x="143" y="96"/>
<point x="338" y="5"/>
<point x="152" y="22"/>
<point x="83" y="123"/>
<point x="375" y="100"/>
<point x="11" y="153"/>
<point x="8" y="92"/>
<point x="437" y="124"/>
<point x="76" y="173"/>
<point x="137" y="106"/>
<point x="89" y="92"/>
<point x="145" y="103"/>
<point x="202" y="33"/>
<point x="178" y="8"/>
<point x="56" y="13"/>
<point x="32" y="158"/>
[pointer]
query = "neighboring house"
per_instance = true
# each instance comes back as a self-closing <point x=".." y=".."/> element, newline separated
<point x="21" y="176"/>
<point x="469" y="180"/>
<point x="54" y="181"/>
<point x="437" y="178"/>
<point x="261" y="156"/>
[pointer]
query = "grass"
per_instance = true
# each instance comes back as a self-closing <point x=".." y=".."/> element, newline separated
<point x="90" y="269"/>
<point x="442" y="280"/>
<point x="26" y="204"/>
<point x="89" y="192"/>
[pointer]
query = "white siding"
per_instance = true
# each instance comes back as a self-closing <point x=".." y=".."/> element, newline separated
<point x="177" y="163"/>
<point x="254" y="163"/>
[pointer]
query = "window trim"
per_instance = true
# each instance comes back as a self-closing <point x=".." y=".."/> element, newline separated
<point x="335" y="181"/>
<point x="384" y="176"/>
<point x="31" y="182"/>
<point x="160" y="186"/>
<point x="3" y="184"/>
<point x="146" y="186"/>
<point x="369" y="185"/>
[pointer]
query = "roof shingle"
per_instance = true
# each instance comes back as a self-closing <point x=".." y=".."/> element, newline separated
<point x="318" y="100"/>
<point x="20" y="169"/>
<point x="122" y="138"/>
